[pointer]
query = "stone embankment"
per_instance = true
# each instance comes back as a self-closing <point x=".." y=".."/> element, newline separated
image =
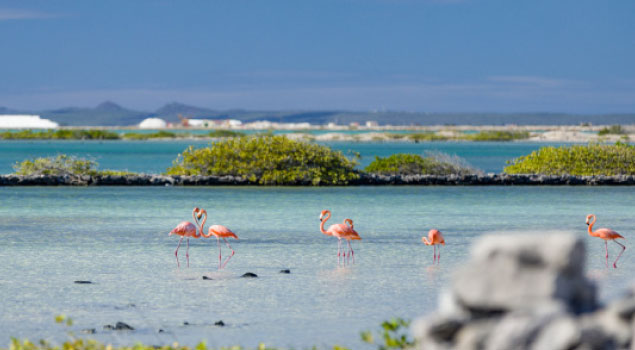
<point x="526" y="292"/>
<point x="365" y="179"/>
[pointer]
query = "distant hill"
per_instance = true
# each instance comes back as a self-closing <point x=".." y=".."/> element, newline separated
<point x="111" y="114"/>
<point x="105" y="114"/>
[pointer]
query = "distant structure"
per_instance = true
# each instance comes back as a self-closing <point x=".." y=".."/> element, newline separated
<point x="153" y="123"/>
<point x="25" y="121"/>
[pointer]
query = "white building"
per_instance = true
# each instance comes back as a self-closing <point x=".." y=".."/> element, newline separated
<point x="17" y="121"/>
<point x="153" y="123"/>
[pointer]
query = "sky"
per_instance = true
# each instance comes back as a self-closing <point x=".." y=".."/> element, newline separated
<point x="572" y="56"/>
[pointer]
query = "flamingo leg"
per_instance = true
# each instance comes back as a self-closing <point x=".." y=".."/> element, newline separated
<point x="219" y="253"/>
<point x="187" y="252"/>
<point x="339" y="247"/>
<point x="439" y="256"/>
<point x="230" y="256"/>
<point x="606" y="246"/>
<point x="620" y="254"/>
<point x="352" y="254"/>
<point x="434" y="256"/>
<point x="176" y="252"/>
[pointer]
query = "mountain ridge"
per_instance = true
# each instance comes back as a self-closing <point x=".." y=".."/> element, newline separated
<point x="109" y="113"/>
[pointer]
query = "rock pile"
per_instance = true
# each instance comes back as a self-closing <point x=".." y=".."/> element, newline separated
<point x="526" y="292"/>
<point x="365" y="179"/>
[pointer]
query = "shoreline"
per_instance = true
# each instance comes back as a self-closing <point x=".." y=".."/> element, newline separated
<point x="364" y="180"/>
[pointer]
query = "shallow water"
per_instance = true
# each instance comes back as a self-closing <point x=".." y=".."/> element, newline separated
<point x="157" y="156"/>
<point x="117" y="238"/>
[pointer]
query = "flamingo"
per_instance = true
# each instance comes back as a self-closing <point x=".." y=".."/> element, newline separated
<point x="335" y="230"/>
<point x="434" y="237"/>
<point x="219" y="231"/>
<point x="351" y="235"/>
<point x="186" y="229"/>
<point x="607" y="235"/>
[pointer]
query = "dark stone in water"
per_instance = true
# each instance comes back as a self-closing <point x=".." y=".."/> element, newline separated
<point x="83" y="282"/>
<point x="219" y="323"/>
<point x="249" y="275"/>
<point x="161" y="330"/>
<point x="207" y="278"/>
<point x="285" y="271"/>
<point x="108" y="327"/>
<point x="185" y="323"/>
<point x="89" y="330"/>
<point x="122" y="326"/>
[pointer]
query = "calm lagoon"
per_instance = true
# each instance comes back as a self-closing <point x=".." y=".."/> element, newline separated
<point x="118" y="239"/>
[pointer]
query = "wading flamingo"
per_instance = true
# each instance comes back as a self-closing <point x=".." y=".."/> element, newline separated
<point x="186" y="229"/>
<point x="219" y="231"/>
<point x="434" y="237"/>
<point x="607" y="235"/>
<point x="350" y="236"/>
<point x="335" y="230"/>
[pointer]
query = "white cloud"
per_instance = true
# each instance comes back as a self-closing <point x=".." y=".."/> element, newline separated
<point x="545" y="82"/>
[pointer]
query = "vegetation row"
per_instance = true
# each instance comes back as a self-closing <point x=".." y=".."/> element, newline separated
<point x="95" y="134"/>
<point x="278" y="160"/>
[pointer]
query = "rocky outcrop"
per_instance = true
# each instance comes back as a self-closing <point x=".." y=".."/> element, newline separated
<point x="526" y="292"/>
<point x="365" y="179"/>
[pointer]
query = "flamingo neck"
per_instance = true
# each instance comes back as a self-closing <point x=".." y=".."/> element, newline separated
<point x="202" y="224"/>
<point x="591" y="233"/>
<point x="328" y="216"/>
<point x="425" y="241"/>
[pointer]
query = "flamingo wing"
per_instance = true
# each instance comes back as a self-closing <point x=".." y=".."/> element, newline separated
<point x="338" y="230"/>
<point x="221" y="231"/>
<point x="608" y="234"/>
<point x="185" y="228"/>
<point x="353" y="235"/>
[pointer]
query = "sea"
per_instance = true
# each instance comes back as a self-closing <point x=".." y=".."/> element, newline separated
<point x="117" y="238"/>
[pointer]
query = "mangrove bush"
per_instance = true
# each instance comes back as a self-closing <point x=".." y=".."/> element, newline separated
<point x="63" y="134"/>
<point x="413" y="164"/>
<point x="612" y="130"/>
<point x="592" y="159"/>
<point x="268" y="160"/>
<point x="62" y="165"/>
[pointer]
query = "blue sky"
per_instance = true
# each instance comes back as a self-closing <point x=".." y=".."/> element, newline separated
<point x="575" y="56"/>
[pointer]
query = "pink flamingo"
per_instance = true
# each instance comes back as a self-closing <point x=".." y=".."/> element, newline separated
<point x="349" y="236"/>
<point x="186" y="229"/>
<point x="219" y="231"/>
<point x="335" y="230"/>
<point x="607" y="235"/>
<point x="434" y="237"/>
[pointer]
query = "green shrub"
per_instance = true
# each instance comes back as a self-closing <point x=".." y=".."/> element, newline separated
<point x="62" y="165"/>
<point x="394" y="335"/>
<point x="612" y="130"/>
<point x="426" y="136"/>
<point x="413" y="164"/>
<point x="592" y="159"/>
<point x="62" y="134"/>
<point x="269" y="160"/>
<point x="495" y="135"/>
<point x="155" y="135"/>
<point x="225" y="133"/>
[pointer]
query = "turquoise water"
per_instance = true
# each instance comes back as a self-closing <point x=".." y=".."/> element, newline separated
<point x="117" y="238"/>
<point x="156" y="156"/>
